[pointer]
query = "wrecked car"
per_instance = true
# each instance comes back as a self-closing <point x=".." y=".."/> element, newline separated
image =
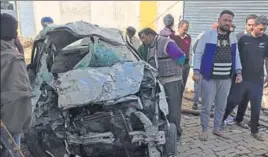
<point x="94" y="97"/>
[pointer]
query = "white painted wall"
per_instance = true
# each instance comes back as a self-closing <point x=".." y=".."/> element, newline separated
<point x="46" y="8"/>
<point x="163" y="9"/>
<point x="117" y="14"/>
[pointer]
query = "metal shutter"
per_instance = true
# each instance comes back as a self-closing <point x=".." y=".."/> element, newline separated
<point x="202" y="14"/>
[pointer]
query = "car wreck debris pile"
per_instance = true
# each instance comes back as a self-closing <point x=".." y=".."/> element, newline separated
<point x="94" y="97"/>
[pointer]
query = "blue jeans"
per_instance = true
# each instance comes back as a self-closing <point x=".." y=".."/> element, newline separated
<point x="197" y="91"/>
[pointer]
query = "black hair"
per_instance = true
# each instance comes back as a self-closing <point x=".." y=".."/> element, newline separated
<point x="251" y="16"/>
<point x="229" y="12"/>
<point x="182" y="22"/>
<point x="147" y="31"/>
<point x="131" y="30"/>
<point x="9" y="26"/>
<point x="261" y="20"/>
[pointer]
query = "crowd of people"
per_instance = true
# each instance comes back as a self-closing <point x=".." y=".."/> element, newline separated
<point x="228" y="70"/>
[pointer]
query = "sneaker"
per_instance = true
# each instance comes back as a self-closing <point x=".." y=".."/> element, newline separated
<point x="242" y="125"/>
<point x="203" y="136"/>
<point x="230" y="120"/>
<point x="195" y="106"/>
<point x="257" y="136"/>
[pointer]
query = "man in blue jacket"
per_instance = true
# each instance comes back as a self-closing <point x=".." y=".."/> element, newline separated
<point x="217" y="60"/>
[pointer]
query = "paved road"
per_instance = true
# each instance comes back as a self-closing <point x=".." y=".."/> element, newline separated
<point x="239" y="144"/>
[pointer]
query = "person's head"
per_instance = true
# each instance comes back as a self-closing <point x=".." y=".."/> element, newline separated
<point x="147" y="36"/>
<point x="168" y="21"/>
<point x="250" y="20"/>
<point x="260" y="26"/>
<point x="131" y="31"/>
<point x="46" y="21"/>
<point x="183" y="27"/>
<point x="9" y="26"/>
<point x="225" y="20"/>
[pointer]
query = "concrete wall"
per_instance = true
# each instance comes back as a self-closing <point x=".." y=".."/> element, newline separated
<point x="26" y="18"/>
<point x="174" y="8"/>
<point x="118" y="14"/>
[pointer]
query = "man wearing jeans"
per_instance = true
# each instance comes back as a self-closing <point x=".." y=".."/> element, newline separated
<point x="253" y="49"/>
<point x="217" y="60"/>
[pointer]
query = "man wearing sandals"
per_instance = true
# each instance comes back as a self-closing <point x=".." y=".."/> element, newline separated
<point x="253" y="49"/>
<point x="217" y="60"/>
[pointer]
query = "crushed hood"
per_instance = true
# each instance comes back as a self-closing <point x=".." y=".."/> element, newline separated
<point x="98" y="85"/>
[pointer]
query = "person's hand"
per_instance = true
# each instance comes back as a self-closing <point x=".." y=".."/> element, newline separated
<point x="196" y="77"/>
<point x="238" y="78"/>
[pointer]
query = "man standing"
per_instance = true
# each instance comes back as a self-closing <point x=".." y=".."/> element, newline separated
<point x="131" y="38"/>
<point x="250" y="20"/>
<point x="253" y="49"/>
<point x="217" y="60"/>
<point x="169" y="23"/>
<point x="183" y="40"/>
<point x="168" y="59"/>
<point x="16" y="106"/>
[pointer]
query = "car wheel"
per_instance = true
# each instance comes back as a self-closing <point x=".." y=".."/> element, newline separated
<point x="39" y="145"/>
<point x="170" y="147"/>
<point x="32" y="142"/>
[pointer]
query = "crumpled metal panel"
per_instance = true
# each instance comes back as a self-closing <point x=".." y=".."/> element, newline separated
<point x="97" y="85"/>
<point x="42" y="76"/>
<point x="83" y="29"/>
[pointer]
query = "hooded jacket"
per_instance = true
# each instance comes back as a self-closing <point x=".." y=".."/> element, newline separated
<point x="16" y="93"/>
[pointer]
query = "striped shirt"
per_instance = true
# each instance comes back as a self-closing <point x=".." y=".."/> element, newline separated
<point x="222" y="66"/>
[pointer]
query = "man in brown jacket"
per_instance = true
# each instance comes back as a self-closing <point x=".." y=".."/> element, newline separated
<point x="16" y="93"/>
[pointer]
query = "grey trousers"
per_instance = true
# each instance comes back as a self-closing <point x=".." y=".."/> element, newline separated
<point x="214" y="90"/>
<point x="174" y="91"/>
<point x="197" y="91"/>
<point x="186" y="70"/>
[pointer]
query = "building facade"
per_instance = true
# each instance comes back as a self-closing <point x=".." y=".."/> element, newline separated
<point x="140" y="14"/>
<point x="117" y="14"/>
<point x="202" y="14"/>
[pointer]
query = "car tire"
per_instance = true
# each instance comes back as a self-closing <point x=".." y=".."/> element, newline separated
<point x="170" y="147"/>
<point x="32" y="142"/>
